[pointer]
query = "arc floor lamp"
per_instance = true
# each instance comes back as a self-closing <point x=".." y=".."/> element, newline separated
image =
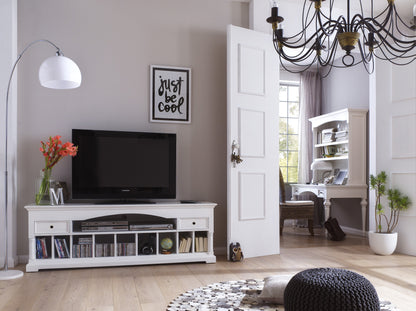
<point x="56" y="72"/>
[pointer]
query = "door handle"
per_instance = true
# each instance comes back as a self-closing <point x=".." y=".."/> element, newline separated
<point x="235" y="153"/>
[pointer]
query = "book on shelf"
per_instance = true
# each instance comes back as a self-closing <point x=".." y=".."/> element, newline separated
<point x="185" y="245"/>
<point x="38" y="249"/>
<point x="196" y="244"/>
<point x="188" y="244"/>
<point x="205" y="248"/>
<point x="66" y="249"/>
<point x="58" y="249"/>
<point x="201" y="244"/>
<point x="126" y="249"/>
<point x="98" y="250"/>
<point x="41" y="248"/>
<point x="61" y="248"/>
<point x="104" y="250"/>
<point x="341" y="135"/>
<point x="182" y="243"/>
<point x="81" y="250"/>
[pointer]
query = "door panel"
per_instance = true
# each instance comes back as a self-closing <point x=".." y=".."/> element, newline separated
<point x="252" y="124"/>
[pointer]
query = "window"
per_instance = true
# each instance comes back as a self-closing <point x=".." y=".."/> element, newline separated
<point x="289" y="130"/>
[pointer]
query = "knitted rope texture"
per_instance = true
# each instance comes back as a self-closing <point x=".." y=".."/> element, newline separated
<point x="330" y="289"/>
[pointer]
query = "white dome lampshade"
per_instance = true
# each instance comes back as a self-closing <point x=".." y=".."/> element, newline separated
<point x="59" y="72"/>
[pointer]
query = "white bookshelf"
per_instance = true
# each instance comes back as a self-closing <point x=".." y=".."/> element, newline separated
<point x="350" y="148"/>
<point x="114" y="247"/>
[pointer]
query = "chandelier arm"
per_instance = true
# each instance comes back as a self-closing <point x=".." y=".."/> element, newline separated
<point x="366" y="58"/>
<point x="305" y="18"/>
<point x="358" y="20"/>
<point x="396" y="63"/>
<point x="323" y="76"/>
<point x="393" y="55"/>
<point x="304" y="44"/>
<point x="379" y="30"/>
<point x="386" y="20"/>
<point x="297" y="58"/>
<point x="302" y="48"/>
<point x="369" y="67"/>
<point x="361" y="7"/>
<point x="301" y="33"/>
<point x="388" y="8"/>
<point x="397" y="17"/>
<point x="302" y="69"/>
<point x="305" y="25"/>
<point x="330" y="66"/>
<point x="400" y="54"/>
<point x="337" y="24"/>
<point x="330" y="56"/>
<point x="386" y="43"/>
<point x="313" y="37"/>
<point x="391" y="60"/>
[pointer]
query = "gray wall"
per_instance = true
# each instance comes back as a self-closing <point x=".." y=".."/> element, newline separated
<point x="346" y="88"/>
<point x="114" y="43"/>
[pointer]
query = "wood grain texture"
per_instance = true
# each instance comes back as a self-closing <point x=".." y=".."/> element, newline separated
<point x="151" y="288"/>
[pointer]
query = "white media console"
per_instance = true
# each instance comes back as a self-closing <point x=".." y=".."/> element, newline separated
<point x="93" y="235"/>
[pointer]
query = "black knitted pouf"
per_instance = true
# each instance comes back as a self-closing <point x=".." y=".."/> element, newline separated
<point x="330" y="289"/>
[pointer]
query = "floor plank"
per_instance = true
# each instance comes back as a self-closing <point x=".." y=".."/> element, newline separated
<point x="151" y="288"/>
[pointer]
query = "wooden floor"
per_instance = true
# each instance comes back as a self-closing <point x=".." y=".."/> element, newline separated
<point x="150" y="288"/>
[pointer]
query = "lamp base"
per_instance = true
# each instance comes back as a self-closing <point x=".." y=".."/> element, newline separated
<point x="10" y="274"/>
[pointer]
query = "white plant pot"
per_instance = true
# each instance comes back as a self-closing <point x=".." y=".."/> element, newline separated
<point x="382" y="243"/>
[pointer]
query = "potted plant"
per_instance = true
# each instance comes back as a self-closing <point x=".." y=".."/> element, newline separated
<point x="384" y="241"/>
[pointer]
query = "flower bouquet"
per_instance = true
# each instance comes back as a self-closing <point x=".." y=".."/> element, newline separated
<point x="53" y="151"/>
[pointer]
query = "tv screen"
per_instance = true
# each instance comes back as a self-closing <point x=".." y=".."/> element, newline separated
<point x="123" y="165"/>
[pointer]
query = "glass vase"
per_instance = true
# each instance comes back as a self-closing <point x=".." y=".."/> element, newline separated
<point x="43" y="184"/>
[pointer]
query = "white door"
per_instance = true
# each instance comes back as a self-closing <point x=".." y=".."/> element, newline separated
<point x="252" y="124"/>
<point x="393" y="141"/>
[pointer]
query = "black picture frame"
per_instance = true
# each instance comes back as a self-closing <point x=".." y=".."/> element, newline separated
<point x="170" y="94"/>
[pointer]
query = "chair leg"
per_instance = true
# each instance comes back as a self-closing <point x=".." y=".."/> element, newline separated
<point x="282" y="221"/>
<point x="310" y="226"/>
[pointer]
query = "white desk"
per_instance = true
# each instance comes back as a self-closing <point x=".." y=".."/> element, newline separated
<point x="328" y="192"/>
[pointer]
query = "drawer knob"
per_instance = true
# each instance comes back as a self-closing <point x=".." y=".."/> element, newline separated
<point x="51" y="226"/>
<point x="194" y="223"/>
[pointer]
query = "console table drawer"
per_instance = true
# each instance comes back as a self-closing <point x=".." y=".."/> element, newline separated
<point x="192" y="223"/>
<point x="45" y="227"/>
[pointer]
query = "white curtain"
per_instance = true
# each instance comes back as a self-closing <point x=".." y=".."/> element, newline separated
<point x="310" y="106"/>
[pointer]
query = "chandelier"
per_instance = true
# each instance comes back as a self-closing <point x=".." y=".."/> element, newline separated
<point x="361" y="39"/>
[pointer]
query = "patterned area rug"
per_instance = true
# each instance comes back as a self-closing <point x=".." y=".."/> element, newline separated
<point x="232" y="296"/>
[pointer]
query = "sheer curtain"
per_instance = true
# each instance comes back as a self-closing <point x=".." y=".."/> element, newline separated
<point x="310" y="106"/>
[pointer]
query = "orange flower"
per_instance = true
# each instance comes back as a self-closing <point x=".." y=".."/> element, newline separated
<point x="53" y="150"/>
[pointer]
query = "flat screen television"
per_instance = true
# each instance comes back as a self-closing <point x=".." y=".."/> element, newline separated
<point x="123" y="166"/>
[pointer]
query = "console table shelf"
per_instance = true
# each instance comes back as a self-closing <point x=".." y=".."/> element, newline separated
<point x="58" y="240"/>
<point x="334" y="158"/>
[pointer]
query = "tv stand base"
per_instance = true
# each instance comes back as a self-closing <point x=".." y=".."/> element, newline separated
<point x="57" y="239"/>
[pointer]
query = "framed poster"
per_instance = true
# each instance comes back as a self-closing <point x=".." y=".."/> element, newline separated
<point x="170" y="94"/>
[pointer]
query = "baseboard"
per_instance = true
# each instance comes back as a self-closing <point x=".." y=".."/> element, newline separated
<point x="23" y="259"/>
<point x="354" y="231"/>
